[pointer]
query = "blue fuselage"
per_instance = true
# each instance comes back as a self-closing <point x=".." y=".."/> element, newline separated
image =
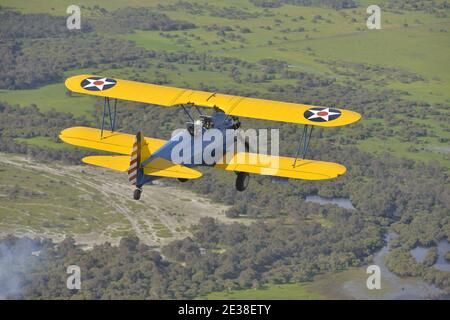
<point x="195" y="144"/>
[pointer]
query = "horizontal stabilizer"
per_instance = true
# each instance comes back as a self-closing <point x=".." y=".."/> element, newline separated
<point x="283" y="166"/>
<point x="158" y="167"/>
<point x="111" y="141"/>
<point x="164" y="168"/>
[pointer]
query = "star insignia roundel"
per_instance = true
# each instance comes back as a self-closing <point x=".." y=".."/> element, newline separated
<point x="98" y="83"/>
<point x="322" y="114"/>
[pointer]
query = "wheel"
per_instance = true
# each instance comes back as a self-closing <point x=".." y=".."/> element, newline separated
<point x="182" y="179"/>
<point x="137" y="194"/>
<point x="242" y="181"/>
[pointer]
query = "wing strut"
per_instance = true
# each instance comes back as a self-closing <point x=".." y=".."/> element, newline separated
<point x="111" y="115"/>
<point x="303" y="143"/>
<point x="187" y="112"/>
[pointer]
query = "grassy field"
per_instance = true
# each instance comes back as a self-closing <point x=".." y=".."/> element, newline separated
<point x="292" y="291"/>
<point x="412" y="41"/>
<point x="46" y="203"/>
<point x="58" y="7"/>
<point x="329" y="286"/>
<point x="91" y="204"/>
<point x="45" y="142"/>
<point x="52" y="96"/>
<point x="409" y="41"/>
<point x="348" y="284"/>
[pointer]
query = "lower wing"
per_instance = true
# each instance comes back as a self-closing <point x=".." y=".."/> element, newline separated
<point x="282" y="166"/>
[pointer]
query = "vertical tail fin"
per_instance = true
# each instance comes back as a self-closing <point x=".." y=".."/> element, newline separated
<point x="135" y="159"/>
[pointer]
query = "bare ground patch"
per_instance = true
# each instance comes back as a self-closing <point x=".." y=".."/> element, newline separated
<point x="164" y="212"/>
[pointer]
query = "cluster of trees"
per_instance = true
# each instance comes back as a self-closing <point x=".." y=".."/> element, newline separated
<point x="146" y="19"/>
<point x="436" y="7"/>
<point x="35" y="49"/>
<point x="447" y="256"/>
<point x="401" y="262"/>
<point x="28" y="122"/>
<point x="335" y="4"/>
<point x="218" y="257"/>
<point x="28" y="64"/>
<point x="231" y="12"/>
<point x="15" y="72"/>
<point x="15" y="25"/>
<point x="372" y="72"/>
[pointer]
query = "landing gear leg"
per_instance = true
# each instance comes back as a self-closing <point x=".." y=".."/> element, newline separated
<point x="242" y="180"/>
<point x="137" y="193"/>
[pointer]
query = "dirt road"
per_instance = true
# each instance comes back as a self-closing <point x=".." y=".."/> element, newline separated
<point x="164" y="213"/>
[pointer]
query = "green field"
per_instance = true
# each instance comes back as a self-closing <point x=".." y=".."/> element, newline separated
<point x="45" y="142"/>
<point x="44" y="202"/>
<point x="342" y="285"/>
<point x="409" y="41"/>
<point x="58" y="7"/>
<point x="292" y="291"/>
<point x="420" y="47"/>
<point x="52" y="96"/>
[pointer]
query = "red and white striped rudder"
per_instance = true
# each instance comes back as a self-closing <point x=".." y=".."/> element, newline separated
<point x="135" y="159"/>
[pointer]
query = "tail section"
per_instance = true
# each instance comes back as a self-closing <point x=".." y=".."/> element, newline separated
<point x="135" y="159"/>
<point x="134" y="150"/>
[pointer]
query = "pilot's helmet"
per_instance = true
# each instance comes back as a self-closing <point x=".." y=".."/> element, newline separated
<point x="198" y="127"/>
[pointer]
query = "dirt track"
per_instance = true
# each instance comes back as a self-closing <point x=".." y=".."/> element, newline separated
<point x="163" y="213"/>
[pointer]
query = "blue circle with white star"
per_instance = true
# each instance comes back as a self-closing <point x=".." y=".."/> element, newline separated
<point x="322" y="114"/>
<point x="98" y="83"/>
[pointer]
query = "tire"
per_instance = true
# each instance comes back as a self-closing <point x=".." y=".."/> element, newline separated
<point x="242" y="181"/>
<point x="137" y="194"/>
<point x="182" y="179"/>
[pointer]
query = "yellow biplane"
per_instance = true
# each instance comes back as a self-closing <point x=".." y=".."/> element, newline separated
<point x="147" y="159"/>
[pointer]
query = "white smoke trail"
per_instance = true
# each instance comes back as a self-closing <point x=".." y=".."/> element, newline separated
<point x="15" y="259"/>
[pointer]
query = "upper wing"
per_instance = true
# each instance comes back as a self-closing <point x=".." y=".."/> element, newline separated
<point x="232" y="105"/>
<point x="283" y="166"/>
<point x="111" y="141"/>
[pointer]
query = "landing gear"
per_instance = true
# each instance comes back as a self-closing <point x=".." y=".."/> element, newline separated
<point x="137" y="193"/>
<point x="242" y="180"/>
<point x="182" y="179"/>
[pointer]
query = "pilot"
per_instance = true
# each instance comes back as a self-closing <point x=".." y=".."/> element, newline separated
<point x="195" y="128"/>
<point x="198" y="125"/>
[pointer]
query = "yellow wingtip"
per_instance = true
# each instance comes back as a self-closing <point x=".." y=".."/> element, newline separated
<point x="283" y="167"/>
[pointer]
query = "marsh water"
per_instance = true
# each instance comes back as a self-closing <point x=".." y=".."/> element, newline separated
<point x="340" y="202"/>
<point x="395" y="288"/>
<point x="419" y="253"/>
<point x="398" y="288"/>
